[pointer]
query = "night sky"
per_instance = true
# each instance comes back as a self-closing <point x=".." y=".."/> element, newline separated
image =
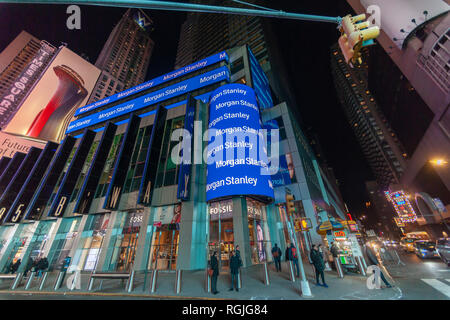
<point x="306" y="55"/>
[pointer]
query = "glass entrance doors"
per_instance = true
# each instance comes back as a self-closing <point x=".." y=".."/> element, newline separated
<point x="221" y="233"/>
<point x="165" y="248"/>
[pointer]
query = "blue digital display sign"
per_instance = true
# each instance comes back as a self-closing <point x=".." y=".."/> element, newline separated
<point x="237" y="155"/>
<point x="180" y="88"/>
<point x="260" y="82"/>
<point x="157" y="81"/>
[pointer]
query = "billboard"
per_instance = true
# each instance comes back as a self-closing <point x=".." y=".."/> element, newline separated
<point x="10" y="144"/>
<point x="11" y="100"/>
<point x="180" y="88"/>
<point x="63" y="87"/>
<point x="156" y="81"/>
<point x="237" y="158"/>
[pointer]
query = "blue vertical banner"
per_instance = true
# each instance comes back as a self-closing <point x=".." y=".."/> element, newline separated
<point x="30" y="185"/>
<point x="184" y="175"/>
<point x="121" y="167"/>
<point x="152" y="157"/>
<point x="16" y="183"/>
<point x="92" y="178"/>
<point x="237" y="155"/>
<point x="69" y="180"/>
<point x="260" y="83"/>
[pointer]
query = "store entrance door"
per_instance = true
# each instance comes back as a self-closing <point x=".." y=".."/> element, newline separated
<point x="165" y="248"/>
<point x="223" y="250"/>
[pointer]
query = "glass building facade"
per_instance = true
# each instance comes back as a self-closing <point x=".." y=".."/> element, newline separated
<point x="113" y="200"/>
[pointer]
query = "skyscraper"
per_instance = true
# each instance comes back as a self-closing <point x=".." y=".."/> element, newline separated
<point x="125" y="56"/>
<point x="409" y="78"/>
<point x="15" y="57"/>
<point x="378" y="141"/>
<point x="204" y="34"/>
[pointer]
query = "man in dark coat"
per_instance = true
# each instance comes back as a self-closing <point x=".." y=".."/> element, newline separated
<point x="235" y="263"/>
<point x="276" y="253"/>
<point x="214" y="264"/>
<point x="15" y="266"/>
<point x="371" y="255"/>
<point x="293" y="256"/>
<point x="29" y="266"/>
<point x="238" y="254"/>
<point x="319" y="265"/>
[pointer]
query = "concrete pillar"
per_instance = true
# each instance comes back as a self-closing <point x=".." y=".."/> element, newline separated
<point x="106" y="252"/>
<point x="240" y="229"/>
<point x="144" y="241"/>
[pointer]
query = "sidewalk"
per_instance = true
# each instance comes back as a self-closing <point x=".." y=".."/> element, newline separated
<point x="352" y="287"/>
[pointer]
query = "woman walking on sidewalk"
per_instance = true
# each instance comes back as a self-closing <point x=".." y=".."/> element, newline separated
<point x="319" y="265"/>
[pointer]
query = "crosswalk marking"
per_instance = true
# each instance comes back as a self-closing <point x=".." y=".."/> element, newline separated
<point x="438" y="285"/>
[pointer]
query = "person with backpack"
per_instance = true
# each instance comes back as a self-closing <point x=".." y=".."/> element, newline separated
<point x="293" y="256"/>
<point x="276" y="253"/>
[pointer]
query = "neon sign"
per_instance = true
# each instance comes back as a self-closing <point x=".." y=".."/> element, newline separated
<point x="402" y="205"/>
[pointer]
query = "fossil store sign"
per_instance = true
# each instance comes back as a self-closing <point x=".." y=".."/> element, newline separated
<point x="10" y="144"/>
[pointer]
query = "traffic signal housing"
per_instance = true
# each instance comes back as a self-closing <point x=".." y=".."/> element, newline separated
<point x="290" y="207"/>
<point x="356" y="34"/>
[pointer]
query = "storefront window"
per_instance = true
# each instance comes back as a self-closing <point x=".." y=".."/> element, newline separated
<point x="64" y="241"/>
<point x="258" y="231"/>
<point x="221" y="233"/>
<point x="87" y="254"/>
<point x="164" y="248"/>
<point x="124" y="241"/>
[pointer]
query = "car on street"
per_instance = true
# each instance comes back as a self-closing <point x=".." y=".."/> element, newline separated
<point x="425" y="249"/>
<point x="407" y="244"/>
<point x="443" y="249"/>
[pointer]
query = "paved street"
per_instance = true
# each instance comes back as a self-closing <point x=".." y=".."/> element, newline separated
<point x="416" y="279"/>
<point x="421" y="279"/>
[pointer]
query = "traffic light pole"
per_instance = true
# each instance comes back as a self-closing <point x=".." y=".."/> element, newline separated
<point x="290" y="208"/>
<point x="188" y="7"/>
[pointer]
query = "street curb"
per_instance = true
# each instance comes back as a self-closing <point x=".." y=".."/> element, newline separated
<point x="104" y="294"/>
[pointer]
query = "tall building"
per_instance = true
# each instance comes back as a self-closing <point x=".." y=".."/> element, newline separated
<point x="113" y="198"/>
<point x="22" y="63"/>
<point x="125" y="56"/>
<point x="378" y="141"/>
<point x="15" y="57"/>
<point x="409" y="78"/>
<point x="203" y="34"/>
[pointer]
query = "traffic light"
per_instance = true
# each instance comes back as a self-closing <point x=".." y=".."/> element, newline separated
<point x="290" y="208"/>
<point x="356" y="34"/>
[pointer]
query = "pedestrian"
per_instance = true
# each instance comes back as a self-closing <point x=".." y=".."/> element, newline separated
<point x="29" y="266"/>
<point x="214" y="265"/>
<point x="238" y="254"/>
<point x="334" y="250"/>
<point x="319" y="265"/>
<point x="371" y="255"/>
<point x="15" y="266"/>
<point x="293" y="256"/>
<point x="276" y="253"/>
<point x="234" y="270"/>
<point x="286" y="253"/>
<point x="42" y="265"/>
<point x="326" y="256"/>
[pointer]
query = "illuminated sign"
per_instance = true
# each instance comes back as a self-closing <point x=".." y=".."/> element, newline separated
<point x="157" y="81"/>
<point x="399" y="223"/>
<point x="237" y="158"/>
<point x="175" y="90"/>
<point x="12" y="99"/>
<point x="353" y="227"/>
<point x="339" y="234"/>
<point x="402" y="205"/>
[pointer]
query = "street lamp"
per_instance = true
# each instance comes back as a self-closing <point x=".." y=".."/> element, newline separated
<point x="438" y="162"/>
